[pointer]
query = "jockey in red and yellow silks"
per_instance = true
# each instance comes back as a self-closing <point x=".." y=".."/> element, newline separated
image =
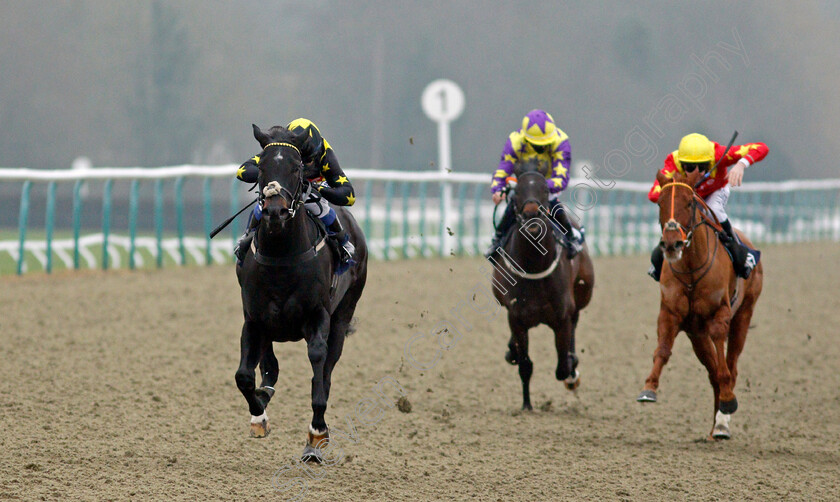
<point x="698" y="152"/>
<point x="538" y="137"/>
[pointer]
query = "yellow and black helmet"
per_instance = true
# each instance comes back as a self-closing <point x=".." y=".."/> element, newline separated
<point x="309" y="139"/>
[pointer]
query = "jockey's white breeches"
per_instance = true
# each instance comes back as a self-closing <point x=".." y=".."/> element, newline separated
<point x="717" y="202"/>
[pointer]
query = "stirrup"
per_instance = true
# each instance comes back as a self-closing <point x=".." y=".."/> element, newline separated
<point x="241" y="247"/>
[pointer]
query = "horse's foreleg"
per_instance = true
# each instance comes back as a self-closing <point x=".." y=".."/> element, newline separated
<point x="717" y="329"/>
<point x="738" y="327"/>
<point x="667" y="327"/>
<point x="519" y="337"/>
<point x="270" y="370"/>
<point x="252" y="348"/>
<point x="317" y="349"/>
<point x="566" y="359"/>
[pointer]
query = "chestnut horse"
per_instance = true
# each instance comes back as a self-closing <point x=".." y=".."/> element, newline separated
<point x="538" y="283"/>
<point x="701" y="295"/>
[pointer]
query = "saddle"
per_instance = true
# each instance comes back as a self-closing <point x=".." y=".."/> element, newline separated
<point x="740" y="254"/>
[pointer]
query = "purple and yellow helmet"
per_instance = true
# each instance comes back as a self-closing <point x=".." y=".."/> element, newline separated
<point x="538" y="127"/>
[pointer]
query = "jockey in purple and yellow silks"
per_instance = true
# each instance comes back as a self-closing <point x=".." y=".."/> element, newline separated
<point x="538" y="137"/>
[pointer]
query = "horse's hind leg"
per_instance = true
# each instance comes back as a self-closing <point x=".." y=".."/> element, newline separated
<point x="520" y="342"/>
<point x="252" y="348"/>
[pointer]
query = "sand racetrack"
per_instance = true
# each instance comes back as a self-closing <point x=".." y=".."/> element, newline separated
<point x="119" y="385"/>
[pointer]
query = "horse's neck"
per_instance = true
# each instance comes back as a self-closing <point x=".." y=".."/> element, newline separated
<point x="296" y="238"/>
<point x="532" y="256"/>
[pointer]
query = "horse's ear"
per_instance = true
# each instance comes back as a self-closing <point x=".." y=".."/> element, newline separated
<point x="662" y="178"/>
<point x="693" y="177"/>
<point x="261" y="137"/>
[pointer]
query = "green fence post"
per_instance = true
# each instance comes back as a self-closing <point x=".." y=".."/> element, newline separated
<point x="477" y="218"/>
<point x="50" y="218"/>
<point x="22" y="217"/>
<point x="77" y="220"/>
<point x="462" y="197"/>
<point x="132" y="222"/>
<point x="406" y="189"/>
<point x="106" y="221"/>
<point x="159" y="222"/>
<point x="422" y="224"/>
<point x="389" y="195"/>
<point x="179" y="217"/>
<point x="368" y="197"/>
<point x="234" y="207"/>
<point x="208" y="224"/>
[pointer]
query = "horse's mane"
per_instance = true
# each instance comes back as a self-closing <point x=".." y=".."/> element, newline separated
<point x="532" y="165"/>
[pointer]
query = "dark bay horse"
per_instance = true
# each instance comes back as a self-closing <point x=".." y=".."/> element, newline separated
<point x="701" y="295"/>
<point x="537" y="283"/>
<point x="289" y="290"/>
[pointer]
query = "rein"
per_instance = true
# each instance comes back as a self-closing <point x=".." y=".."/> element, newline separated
<point x="704" y="220"/>
<point x="515" y="269"/>
<point x="297" y="199"/>
<point x="274" y="188"/>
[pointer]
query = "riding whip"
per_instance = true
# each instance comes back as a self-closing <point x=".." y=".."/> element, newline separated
<point x="709" y="172"/>
<point x="227" y="221"/>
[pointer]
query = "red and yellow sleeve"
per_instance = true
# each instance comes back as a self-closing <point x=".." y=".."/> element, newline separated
<point x="668" y="170"/>
<point x="753" y="152"/>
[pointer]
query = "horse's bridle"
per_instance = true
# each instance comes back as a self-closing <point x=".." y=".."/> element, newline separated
<point x="673" y="224"/>
<point x="519" y="217"/>
<point x="274" y="188"/>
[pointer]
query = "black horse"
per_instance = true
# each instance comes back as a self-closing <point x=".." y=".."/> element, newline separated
<point x="289" y="289"/>
<point x="537" y="283"/>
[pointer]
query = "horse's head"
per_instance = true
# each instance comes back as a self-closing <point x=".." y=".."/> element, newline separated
<point x="281" y="177"/>
<point x="677" y="212"/>
<point x="531" y="190"/>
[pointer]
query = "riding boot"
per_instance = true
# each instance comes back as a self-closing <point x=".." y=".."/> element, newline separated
<point x="657" y="258"/>
<point x="572" y="238"/>
<point x="501" y="230"/>
<point x="244" y="242"/>
<point x="744" y="259"/>
<point x="337" y="232"/>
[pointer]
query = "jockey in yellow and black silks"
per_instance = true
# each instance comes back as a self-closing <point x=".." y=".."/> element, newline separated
<point x="332" y="184"/>
<point x="538" y="137"/>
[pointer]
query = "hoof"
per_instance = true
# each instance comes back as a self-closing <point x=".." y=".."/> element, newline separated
<point x="728" y="407"/>
<point x="259" y="426"/>
<point x="315" y="442"/>
<point x="647" y="396"/>
<point x="312" y="455"/>
<point x="572" y="382"/>
<point x="721" y="429"/>
<point x="527" y="407"/>
<point x="509" y="357"/>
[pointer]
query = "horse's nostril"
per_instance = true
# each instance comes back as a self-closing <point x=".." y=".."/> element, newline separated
<point x="679" y="244"/>
<point x="661" y="244"/>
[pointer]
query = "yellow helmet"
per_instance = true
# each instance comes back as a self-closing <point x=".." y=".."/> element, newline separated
<point x="538" y="128"/>
<point x="696" y="148"/>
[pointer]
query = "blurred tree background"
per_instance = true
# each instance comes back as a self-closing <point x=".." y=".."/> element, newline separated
<point x="151" y="83"/>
